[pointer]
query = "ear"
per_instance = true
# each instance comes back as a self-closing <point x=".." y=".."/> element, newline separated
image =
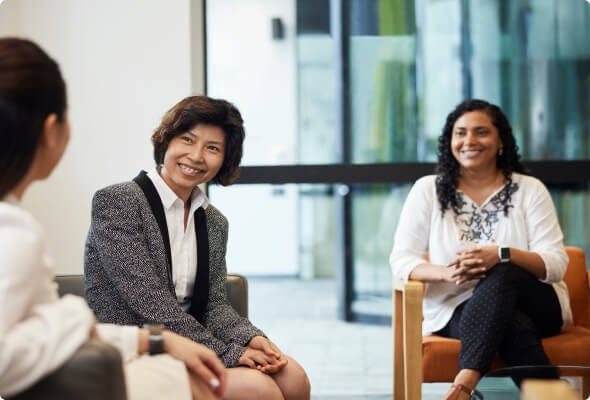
<point x="51" y="130"/>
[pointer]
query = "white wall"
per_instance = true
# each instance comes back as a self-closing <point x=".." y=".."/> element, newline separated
<point x="125" y="63"/>
<point x="246" y="66"/>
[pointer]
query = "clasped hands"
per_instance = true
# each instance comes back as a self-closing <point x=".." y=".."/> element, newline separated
<point x="471" y="264"/>
<point x="263" y="355"/>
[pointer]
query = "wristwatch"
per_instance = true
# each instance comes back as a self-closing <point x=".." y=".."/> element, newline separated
<point x="156" y="343"/>
<point x="504" y="253"/>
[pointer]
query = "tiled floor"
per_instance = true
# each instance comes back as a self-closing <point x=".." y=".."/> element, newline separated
<point x="343" y="360"/>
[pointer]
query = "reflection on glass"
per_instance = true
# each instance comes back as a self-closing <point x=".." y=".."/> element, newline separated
<point x="376" y="210"/>
<point x="411" y="62"/>
<point x="573" y="211"/>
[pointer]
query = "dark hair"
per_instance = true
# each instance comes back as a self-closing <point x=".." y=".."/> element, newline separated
<point x="204" y="110"/>
<point x="448" y="169"/>
<point x="31" y="88"/>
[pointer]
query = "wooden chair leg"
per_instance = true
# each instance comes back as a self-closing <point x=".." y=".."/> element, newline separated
<point x="412" y="327"/>
<point x="398" y="347"/>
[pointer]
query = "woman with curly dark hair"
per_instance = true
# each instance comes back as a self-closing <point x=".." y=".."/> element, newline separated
<point x="494" y="279"/>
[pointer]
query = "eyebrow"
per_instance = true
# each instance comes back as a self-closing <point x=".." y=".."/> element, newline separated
<point x="475" y="127"/>
<point x="209" y="142"/>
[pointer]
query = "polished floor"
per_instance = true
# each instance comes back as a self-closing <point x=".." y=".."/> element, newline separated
<point x="346" y="361"/>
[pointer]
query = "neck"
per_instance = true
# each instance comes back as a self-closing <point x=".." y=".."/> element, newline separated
<point x="19" y="190"/>
<point x="480" y="178"/>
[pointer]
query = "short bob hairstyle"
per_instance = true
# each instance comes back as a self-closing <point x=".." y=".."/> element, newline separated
<point x="31" y="89"/>
<point x="196" y="110"/>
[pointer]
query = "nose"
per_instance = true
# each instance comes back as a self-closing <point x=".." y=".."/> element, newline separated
<point x="470" y="137"/>
<point x="196" y="155"/>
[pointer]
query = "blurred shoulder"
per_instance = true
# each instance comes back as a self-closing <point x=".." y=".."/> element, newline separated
<point x="21" y="236"/>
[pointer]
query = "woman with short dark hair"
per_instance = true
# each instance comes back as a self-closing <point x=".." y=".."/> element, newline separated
<point x="155" y="251"/>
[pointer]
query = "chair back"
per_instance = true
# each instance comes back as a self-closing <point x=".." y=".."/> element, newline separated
<point x="576" y="279"/>
<point x="236" y="286"/>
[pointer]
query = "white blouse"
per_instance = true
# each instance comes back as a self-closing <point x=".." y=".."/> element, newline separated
<point x="531" y="225"/>
<point x="183" y="242"/>
<point x="39" y="331"/>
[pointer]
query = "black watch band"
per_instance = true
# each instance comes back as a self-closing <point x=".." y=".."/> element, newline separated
<point x="156" y="342"/>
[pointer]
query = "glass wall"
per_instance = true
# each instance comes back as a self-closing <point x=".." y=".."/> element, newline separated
<point x="412" y="61"/>
<point x="351" y="84"/>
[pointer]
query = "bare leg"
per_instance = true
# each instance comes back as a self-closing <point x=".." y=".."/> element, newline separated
<point x="245" y="383"/>
<point x="293" y="381"/>
<point x="466" y="378"/>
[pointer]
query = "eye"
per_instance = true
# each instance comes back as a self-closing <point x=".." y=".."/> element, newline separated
<point x="214" y="148"/>
<point x="482" y="132"/>
<point x="460" y="133"/>
<point x="186" y="139"/>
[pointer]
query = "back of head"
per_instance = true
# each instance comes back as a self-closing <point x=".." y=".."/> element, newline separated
<point x="31" y="88"/>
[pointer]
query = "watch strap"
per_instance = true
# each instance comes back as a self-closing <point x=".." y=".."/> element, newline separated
<point x="156" y="339"/>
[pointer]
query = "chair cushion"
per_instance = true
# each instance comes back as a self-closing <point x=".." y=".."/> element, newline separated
<point x="440" y="359"/>
<point x="571" y="347"/>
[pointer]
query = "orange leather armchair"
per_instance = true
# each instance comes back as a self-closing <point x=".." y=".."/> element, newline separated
<point x="434" y="358"/>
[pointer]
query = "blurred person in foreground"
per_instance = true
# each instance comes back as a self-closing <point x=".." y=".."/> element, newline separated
<point x="39" y="332"/>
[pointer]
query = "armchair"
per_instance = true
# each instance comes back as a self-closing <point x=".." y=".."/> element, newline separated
<point x="434" y="358"/>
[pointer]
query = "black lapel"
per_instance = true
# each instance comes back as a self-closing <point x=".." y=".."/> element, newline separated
<point x="201" y="287"/>
<point x="153" y="198"/>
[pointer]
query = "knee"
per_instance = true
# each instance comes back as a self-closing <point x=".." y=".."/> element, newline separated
<point x="293" y="381"/>
<point x="250" y="384"/>
<point x="262" y="388"/>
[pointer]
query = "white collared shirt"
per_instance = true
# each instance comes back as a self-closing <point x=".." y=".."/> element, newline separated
<point x="39" y="331"/>
<point x="183" y="242"/>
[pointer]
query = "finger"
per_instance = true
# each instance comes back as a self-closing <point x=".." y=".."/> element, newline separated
<point x="247" y="361"/>
<point x="261" y="359"/>
<point x="202" y="371"/>
<point x="277" y="351"/>
<point x="475" y="271"/>
<point x="220" y="372"/>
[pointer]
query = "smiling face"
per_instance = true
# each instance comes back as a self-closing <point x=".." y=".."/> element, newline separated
<point x="193" y="158"/>
<point x="475" y="141"/>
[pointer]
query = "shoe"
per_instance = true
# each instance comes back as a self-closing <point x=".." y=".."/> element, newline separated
<point x="457" y="389"/>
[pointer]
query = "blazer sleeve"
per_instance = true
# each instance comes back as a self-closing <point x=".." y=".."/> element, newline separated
<point x="118" y="233"/>
<point x="220" y="317"/>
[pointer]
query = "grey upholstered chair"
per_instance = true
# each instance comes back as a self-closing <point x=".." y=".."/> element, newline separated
<point x="95" y="371"/>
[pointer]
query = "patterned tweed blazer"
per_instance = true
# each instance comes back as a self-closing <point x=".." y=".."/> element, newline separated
<point x="127" y="277"/>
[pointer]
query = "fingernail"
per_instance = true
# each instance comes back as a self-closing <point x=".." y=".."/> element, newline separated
<point x="214" y="383"/>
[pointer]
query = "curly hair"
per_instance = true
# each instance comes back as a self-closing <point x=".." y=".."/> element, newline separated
<point x="194" y="110"/>
<point x="448" y="168"/>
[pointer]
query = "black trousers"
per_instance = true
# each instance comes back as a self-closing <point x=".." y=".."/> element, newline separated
<point x="509" y="312"/>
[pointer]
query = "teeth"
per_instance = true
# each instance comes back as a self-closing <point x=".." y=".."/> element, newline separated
<point x="187" y="169"/>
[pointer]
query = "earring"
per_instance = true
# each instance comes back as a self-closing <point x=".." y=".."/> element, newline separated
<point x="500" y="151"/>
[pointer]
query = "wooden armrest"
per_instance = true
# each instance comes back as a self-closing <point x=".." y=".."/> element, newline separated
<point x="407" y="338"/>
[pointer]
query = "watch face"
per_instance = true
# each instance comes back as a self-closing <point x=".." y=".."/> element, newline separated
<point x="504" y="254"/>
